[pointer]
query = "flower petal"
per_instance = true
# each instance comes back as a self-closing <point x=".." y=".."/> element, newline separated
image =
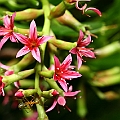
<point x="82" y="8"/>
<point x="73" y="51"/>
<point x="61" y="101"/>
<point x="66" y="63"/>
<point x="44" y="39"/>
<point x="81" y="36"/>
<point x="70" y="74"/>
<point x="36" y="54"/>
<point x="6" y="21"/>
<point x="17" y="84"/>
<point x="70" y="94"/>
<point x="57" y="62"/>
<point x="63" y="84"/>
<point x="53" y="106"/>
<point x="12" y="19"/>
<point x="4" y="39"/>
<point x="87" y="52"/>
<point x="85" y="42"/>
<point x="23" y="39"/>
<point x="3" y="31"/>
<point x="95" y="10"/>
<point x="22" y="51"/>
<point x="79" y="61"/>
<point x="33" y="30"/>
<point x="13" y="38"/>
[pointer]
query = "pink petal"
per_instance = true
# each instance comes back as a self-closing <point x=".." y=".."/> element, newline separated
<point x="81" y="36"/>
<point x="44" y="39"/>
<point x="85" y="42"/>
<point x="95" y="10"/>
<point x="33" y="30"/>
<point x="66" y="63"/>
<point x="3" y="31"/>
<point x="73" y="51"/>
<point x="17" y="84"/>
<point x="87" y="53"/>
<point x="56" y="62"/>
<point x="12" y="19"/>
<point x="79" y="61"/>
<point x="23" y="39"/>
<point x="63" y="84"/>
<point x="2" y="42"/>
<point x="71" y="67"/>
<point x="61" y="101"/>
<point x="53" y="106"/>
<point x="71" y="74"/>
<point x="70" y="94"/>
<point x="22" y="51"/>
<point x="82" y="8"/>
<point x="36" y="54"/>
<point x="6" y="21"/>
<point x="13" y="38"/>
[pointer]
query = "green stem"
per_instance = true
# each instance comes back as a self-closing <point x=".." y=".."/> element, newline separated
<point x="37" y="87"/>
<point x="27" y="14"/>
<point x="16" y="77"/>
<point x="26" y="60"/>
<point x="40" y="106"/>
<point x="46" y="9"/>
<point x="54" y="85"/>
<point x="62" y="44"/>
<point x="46" y="26"/>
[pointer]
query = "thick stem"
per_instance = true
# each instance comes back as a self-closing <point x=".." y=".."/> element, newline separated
<point x="16" y="77"/>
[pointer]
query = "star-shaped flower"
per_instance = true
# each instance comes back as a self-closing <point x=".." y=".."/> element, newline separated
<point x="7" y="31"/>
<point x="63" y="71"/>
<point x="32" y="42"/>
<point x="61" y="100"/>
<point x="80" y="50"/>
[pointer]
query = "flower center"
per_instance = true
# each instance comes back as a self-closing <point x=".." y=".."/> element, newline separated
<point x="33" y="44"/>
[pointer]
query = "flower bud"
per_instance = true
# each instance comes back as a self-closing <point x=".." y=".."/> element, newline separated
<point x="19" y="94"/>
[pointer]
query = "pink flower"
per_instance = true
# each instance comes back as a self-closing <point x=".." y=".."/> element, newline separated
<point x="32" y="43"/>
<point x="84" y="7"/>
<point x="1" y="86"/>
<point x="7" y="30"/>
<point x="80" y="49"/>
<point x="63" y="71"/>
<point x="61" y="100"/>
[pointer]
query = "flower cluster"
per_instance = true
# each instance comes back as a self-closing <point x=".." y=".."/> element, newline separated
<point x="34" y="50"/>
